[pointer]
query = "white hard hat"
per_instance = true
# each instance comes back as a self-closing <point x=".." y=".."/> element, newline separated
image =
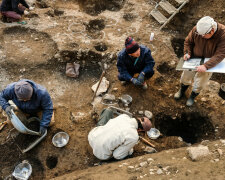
<point x="205" y="25"/>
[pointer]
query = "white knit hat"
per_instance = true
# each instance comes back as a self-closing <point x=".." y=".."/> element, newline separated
<point x="205" y="25"/>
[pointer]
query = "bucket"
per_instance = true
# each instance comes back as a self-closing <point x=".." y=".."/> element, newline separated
<point x="222" y="91"/>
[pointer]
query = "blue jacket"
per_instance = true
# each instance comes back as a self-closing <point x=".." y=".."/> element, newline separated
<point x="12" y="5"/>
<point x="40" y="101"/>
<point x="127" y="67"/>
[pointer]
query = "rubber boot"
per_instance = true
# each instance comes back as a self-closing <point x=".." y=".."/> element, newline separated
<point x="191" y="99"/>
<point x="181" y="91"/>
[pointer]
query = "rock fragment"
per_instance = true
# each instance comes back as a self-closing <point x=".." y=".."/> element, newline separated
<point x="196" y="153"/>
<point x="159" y="171"/>
<point x="150" y="150"/>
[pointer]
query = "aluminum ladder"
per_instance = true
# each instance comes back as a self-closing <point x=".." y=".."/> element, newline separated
<point x="169" y="8"/>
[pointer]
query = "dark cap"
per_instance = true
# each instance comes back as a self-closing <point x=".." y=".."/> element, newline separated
<point x="23" y="90"/>
<point x="131" y="45"/>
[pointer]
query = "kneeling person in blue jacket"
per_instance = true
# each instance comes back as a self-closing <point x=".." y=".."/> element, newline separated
<point x="135" y="63"/>
<point x="30" y="98"/>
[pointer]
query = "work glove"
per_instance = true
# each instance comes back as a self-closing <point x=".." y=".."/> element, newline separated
<point x="136" y="82"/>
<point x="8" y="111"/>
<point x="42" y="130"/>
<point x="141" y="77"/>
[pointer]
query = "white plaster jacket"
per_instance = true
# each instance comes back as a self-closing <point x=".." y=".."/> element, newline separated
<point x="116" y="138"/>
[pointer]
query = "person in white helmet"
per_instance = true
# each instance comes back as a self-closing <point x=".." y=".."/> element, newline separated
<point x="207" y="40"/>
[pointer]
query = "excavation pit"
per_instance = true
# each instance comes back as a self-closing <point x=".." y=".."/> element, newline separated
<point x="101" y="47"/>
<point x="164" y="68"/>
<point x="178" y="46"/>
<point x="51" y="162"/>
<point x="95" y="25"/>
<point x="190" y="126"/>
<point x="95" y="7"/>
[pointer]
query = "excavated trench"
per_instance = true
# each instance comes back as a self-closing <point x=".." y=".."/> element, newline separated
<point x="192" y="127"/>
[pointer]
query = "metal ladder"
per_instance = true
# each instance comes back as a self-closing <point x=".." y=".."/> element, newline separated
<point x="169" y="8"/>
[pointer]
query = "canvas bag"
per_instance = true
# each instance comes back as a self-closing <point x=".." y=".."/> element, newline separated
<point x="72" y="69"/>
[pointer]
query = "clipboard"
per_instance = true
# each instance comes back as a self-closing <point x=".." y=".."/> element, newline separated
<point x="219" y="68"/>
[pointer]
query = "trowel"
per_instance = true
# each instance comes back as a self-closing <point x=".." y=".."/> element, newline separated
<point x="18" y="125"/>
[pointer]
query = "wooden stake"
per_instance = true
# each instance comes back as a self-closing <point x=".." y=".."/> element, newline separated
<point x="146" y="141"/>
<point x="103" y="73"/>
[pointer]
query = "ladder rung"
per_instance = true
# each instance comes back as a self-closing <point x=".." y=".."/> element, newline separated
<point x="180" y="1"/>
<point x="167" y="6"/>
<point x="158" y="16"/>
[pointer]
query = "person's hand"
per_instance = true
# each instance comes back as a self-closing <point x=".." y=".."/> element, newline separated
<point x="26" y="12"/>
<point x="201" y="68"/>
<point x="141" y="77"/>
<point x="186" y="57"/>
<point x="136" y="82"/>
<point x="8" y="110"/>
<point x="42" y="130"/>
<point x="31" y="8"/>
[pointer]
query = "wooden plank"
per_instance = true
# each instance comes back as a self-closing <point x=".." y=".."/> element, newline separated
<point x="158" y="16"/>
<point x="180" y="1"/>
<point x="169" y="8"/>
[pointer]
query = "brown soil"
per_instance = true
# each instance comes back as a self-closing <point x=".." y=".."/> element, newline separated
<point x="89" y="32"/>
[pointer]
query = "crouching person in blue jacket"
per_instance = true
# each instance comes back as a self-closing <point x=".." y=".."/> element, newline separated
<point x="135" y="63"/>
<point x="30" y="98"/>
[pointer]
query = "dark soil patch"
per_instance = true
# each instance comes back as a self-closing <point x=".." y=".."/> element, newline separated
<point x="51" y="162"/>
<point x="218" y="77"/>
<point x="192" y="127"/>
<point x="178" y="46"/>
<point x="129" y="16"/>
<point x="95" y="7"/>
<point x="9" y="154"/>
<point x="24" y="140"/>
<point x="101" y="47"/>
<point x="164" y="68"/>
<point x="95" y="25"/>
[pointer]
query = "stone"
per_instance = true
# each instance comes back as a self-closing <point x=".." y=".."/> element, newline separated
<point x="150" y="160"/>
<point x="196" y="153"/>
<point x="203" y="99"/>
<point x="140" y="112"/>
<point x="180" y="139"/>
<point x="222" y="141"/>
<point x="150" y="150"/>
<point x="151" y="173"/>
<point x="144" y="164"/>
<point x="125" y="164"/>
<point x="220" y="152"/>
<point x="159" y="171"/>
<point x="96" y="101"/>
<point x="166" y="168"/>
<point x="109" y="97"/>
<point x="115" y="89"/>
<point x="148" y="114"/>
<point x="216" y="160"/>
<point x="103" y="87"/>
<point x="138" y="169"/>
<point x="57" y="56"/>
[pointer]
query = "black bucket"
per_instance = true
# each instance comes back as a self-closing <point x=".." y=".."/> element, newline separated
<point x="222" y="91"/>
